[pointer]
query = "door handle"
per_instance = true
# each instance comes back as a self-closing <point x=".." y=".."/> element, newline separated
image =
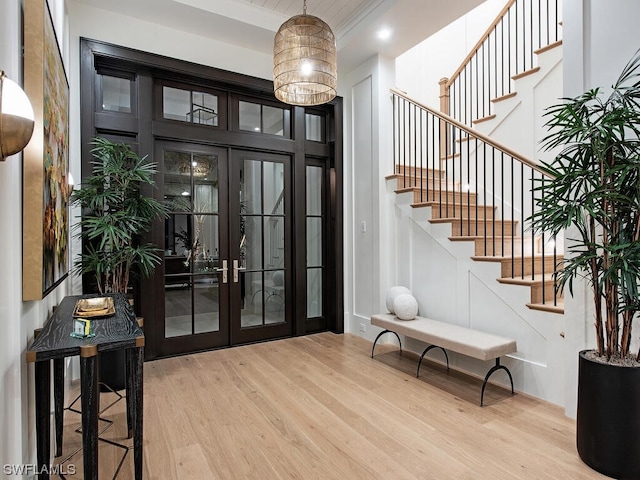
<point x="236" y="269"/>
<point x="224" y="271"/>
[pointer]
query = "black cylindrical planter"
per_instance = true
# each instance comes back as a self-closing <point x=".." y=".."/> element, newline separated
<point x="608" y="422"/>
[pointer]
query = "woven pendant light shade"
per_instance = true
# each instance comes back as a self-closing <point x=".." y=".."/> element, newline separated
<point x="304" y="61"/>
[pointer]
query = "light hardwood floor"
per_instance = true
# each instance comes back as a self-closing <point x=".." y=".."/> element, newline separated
<point x="318" y="407"/>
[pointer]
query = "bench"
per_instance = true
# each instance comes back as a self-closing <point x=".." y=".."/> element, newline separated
<point x="444" y="336"/>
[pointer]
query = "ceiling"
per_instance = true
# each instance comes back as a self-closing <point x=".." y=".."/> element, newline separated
<point x="252" y="23"/>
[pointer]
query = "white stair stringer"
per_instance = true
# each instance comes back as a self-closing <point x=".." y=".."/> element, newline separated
<point x="450" y="286"/>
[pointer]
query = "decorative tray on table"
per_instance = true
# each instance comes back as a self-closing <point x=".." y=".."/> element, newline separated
<point x="94" y="307"/>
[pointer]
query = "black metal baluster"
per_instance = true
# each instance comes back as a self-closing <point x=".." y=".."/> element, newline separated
<point x="433" y="155"/>
<point x="446" y="169"/>
<point x="539" y="24"/>
<point x="493" y="197"/>
<point x="544" y="246"/>
<point x="484" y="202"/>
<point x="531" y="49"/>
<point x="477" y="114"/>
<point x="484" y="77"/>
<point x="555" y="268"/>
<point x="495" y="58"/>
<point x="556" y="20"/>
<point x="513" y="223"/>
<point x="516" y="36"/>
<point x="502" y="201"/>
<point x="533" y="238"/>
<point x="522" y="212"/>
<point x="509" y="50"/>
<point x="421" y="130"/>
<point x="412" y="144"/>
<point x="476" y="190"/>
<point x="395" y="132"/>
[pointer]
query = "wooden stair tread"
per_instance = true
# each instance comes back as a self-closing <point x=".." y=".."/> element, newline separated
<point x="484" y="119"/>
<point x="525" y="73"/>
<point x="546" y="48"/>
<point x="497" y="258"/>
<point x="527" y="280"/>
<point x="465" y="238"/>
<point x="436" y="203"/>
<point x="412" y="175"/>
<point x="504" y="97"/>
<point x="401" y="170"/>
<point x="500" y="258"/>
<point x="464" y="218"/>
<point x="471" y="220"/>
<point x="549" y="307"/>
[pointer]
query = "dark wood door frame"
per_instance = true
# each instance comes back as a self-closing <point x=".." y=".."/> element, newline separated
<point x="142" y="129"/>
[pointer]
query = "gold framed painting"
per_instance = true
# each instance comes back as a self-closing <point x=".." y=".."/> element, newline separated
<point x="45" y="233"/>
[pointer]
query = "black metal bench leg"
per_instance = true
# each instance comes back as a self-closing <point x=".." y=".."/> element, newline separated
<point x="426" y="350"/>
<point x="382" y="333"/>
<point x="495" y="368"/>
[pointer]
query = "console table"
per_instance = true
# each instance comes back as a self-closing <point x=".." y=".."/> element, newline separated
<point x="54" y="342"/>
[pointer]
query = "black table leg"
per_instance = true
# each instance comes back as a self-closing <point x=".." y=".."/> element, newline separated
<point x="130" y="372"/>
<point x="90" y="405"/>
<point x="138" y="355"/>
<point x="43" y="419"/>
<point x="58" y="400"/>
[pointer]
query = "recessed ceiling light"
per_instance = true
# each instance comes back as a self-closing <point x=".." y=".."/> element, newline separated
<point x="384" y="33"/>
<point x="186" y="194"/>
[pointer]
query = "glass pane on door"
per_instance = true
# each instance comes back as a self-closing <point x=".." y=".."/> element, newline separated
<point x="192" y="243"/>
<point x="206" y="303"/>
<point x="262" y="243"/>
<point x="177" y="306"/>
<point x="315" y="241"/>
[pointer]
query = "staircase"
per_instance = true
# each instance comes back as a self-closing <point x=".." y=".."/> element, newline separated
<point x="465" y="179"/>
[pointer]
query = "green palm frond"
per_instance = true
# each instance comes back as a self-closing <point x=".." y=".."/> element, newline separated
<point x="116" y="215"/>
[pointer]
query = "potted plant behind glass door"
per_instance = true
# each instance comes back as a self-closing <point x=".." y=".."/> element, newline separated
<point x="115" y="216"/>
<point x="595" y="190"/>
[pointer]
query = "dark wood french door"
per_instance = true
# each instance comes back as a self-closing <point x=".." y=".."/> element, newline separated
<point x="227" y="261"/>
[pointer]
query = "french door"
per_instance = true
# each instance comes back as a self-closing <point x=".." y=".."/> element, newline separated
<point x="227" y="259"/>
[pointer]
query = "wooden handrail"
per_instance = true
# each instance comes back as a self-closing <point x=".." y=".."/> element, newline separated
<point x="473" y="133"/>
<point x="477" y="46"/>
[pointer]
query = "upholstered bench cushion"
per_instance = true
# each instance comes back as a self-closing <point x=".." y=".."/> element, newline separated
<point x="472" y="343"/>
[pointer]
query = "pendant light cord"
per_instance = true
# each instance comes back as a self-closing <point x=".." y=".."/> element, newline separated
<point x="304" y="8"/>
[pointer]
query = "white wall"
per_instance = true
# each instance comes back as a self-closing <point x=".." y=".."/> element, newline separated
<point x="17" y="319"/>
<point x="419" y="69"/>
<point x="369" y="262"/>
<point x="131" y="32"/>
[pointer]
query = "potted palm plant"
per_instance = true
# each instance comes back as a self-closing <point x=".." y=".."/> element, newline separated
<point x="115" y="217"/>
<point x="594" y="188"/>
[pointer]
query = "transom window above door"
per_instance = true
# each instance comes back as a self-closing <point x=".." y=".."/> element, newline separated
<point x="192" y="106"/>
<point x="260" y="116"/>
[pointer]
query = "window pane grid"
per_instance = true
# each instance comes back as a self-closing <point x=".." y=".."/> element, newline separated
<point x="189" y="106"/>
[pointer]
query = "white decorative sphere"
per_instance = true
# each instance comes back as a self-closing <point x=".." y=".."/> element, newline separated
<point x="278" y="278"/>
<point x="392" y="293"/>
<point x="405" y="306"/>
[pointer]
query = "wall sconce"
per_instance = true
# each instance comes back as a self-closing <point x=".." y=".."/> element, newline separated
<point x="16" y="118"/>
<point x="70" y="184"/>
